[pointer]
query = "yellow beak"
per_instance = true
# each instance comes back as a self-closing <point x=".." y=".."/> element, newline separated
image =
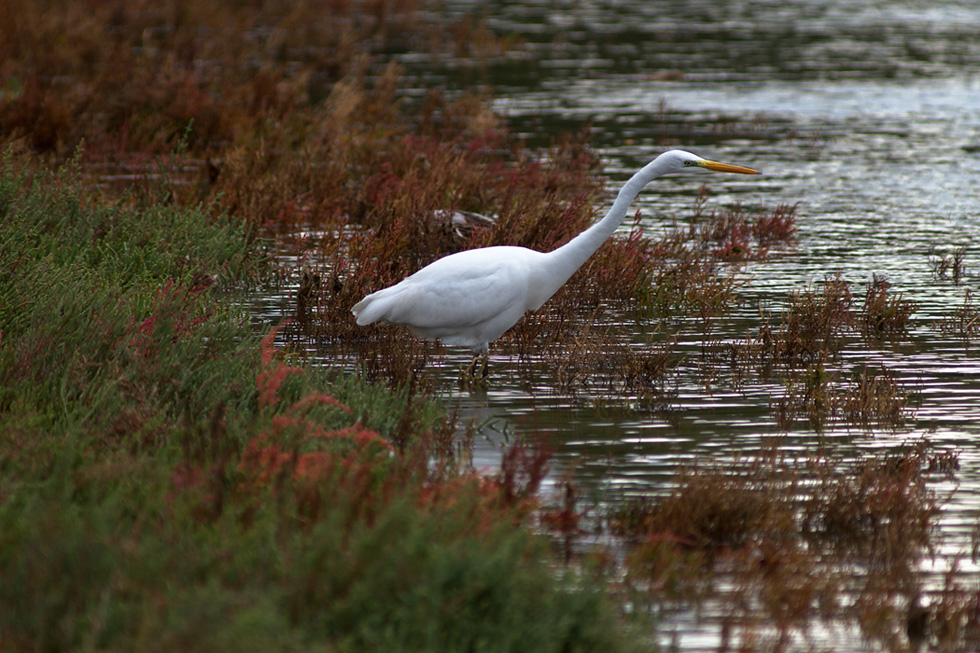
<point x="724" y="167"/>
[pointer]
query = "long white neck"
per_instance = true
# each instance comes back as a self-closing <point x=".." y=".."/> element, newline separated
<point x="562" y="263"/>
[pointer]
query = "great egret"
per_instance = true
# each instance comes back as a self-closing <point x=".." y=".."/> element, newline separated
<point x="472" y="297"/>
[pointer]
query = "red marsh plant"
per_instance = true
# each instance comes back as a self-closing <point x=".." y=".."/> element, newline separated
<point x="951" y="620"/>
<point x="307" y="444"/>
<point x="962" y="323"/>
<point x="884" y="314"/>
<point x="880" y="511"/>
<point x="869" y="398"/>
<point x="563" y="518"/>
<point x="297" y="444"/>
<point x="134" y="74"/>
<point x="814" y="329"/>
<point x="600" y="362"/>
<point x="730" y="234"/>
<point x="685" y="277"/>
<point x="777" y="529"/>
<point x="736" y="234"/>
<point x="813" y="326"/>
<point x="948" y="266"/>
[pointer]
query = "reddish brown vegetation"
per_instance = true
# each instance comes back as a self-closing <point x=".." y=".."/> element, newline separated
<point x="128" y="77"/>
<point x="778" y="529"/>
<point x="287" y="119"/>
<point x="963" y="322"/>
<point x="815" y="328"/>
<point x="297" y="445"/>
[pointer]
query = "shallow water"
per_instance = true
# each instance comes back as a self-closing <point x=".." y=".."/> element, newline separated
<point x="866" y="113"/>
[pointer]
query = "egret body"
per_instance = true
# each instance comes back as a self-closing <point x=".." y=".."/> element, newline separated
<point x="472" y="297"/>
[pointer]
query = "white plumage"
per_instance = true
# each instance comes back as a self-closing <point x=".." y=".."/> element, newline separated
<point x="472" y="297"/>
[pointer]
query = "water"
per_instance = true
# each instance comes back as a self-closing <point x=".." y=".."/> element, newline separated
<point x="866" y="113"/>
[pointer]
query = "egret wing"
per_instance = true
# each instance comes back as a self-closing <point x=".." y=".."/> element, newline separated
<point x="455" y="298"/>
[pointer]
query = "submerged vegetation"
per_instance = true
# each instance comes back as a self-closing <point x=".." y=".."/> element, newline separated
<point x="174" y="476"/>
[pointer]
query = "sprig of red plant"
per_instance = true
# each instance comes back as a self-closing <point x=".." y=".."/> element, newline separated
<point x="173" y="303"/>
<point x="263" y="458"/>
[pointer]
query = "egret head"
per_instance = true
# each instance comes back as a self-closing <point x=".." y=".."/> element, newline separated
<point x="679" y="159"/>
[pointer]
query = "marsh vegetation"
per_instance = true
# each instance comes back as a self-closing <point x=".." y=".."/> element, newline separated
<point x="180" y="472"/>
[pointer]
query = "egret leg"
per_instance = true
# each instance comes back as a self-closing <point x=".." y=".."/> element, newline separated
<point x="469" y="373"/>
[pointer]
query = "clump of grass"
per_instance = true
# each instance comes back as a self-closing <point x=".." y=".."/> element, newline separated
<point x="776" y="226"/>
<point x="816" y="323"/>
<point x="686" y="278"/>
<point x="948" y="266"/>
<point x="712" y="510"/>
<point x="884" y="314"/>
<point x="963" y="323"/>
<point x="735" y="236"/>
<point x="812" y="329"/>
<point x="815" y="327"/>
<point x="808" y="394"/>
<point x="951" y="620"/>
<point x="869" y="398"/>
<point x="596" y="360"/>
<point x="880" y="512"/>
<point x="876" y="397"/>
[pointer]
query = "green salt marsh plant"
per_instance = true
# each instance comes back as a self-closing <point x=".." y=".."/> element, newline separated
<point x="172" y="480"/>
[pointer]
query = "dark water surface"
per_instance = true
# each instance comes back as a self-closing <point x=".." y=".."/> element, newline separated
<point x="867" y="113"/>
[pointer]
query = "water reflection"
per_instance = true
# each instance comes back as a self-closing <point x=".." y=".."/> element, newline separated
<point x="730" y="42"/>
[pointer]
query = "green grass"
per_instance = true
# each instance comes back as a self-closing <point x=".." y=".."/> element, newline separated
<point x="169" y="482"/>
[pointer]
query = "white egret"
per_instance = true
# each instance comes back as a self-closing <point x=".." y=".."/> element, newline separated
<point x="472" y="297"/>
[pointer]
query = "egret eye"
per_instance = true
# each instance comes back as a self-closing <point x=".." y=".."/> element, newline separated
<point x="689" y="163"/>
